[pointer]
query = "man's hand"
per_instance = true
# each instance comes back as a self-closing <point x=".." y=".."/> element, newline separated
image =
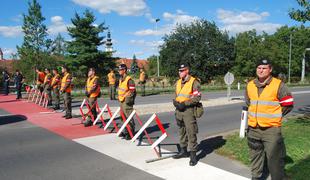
<point x="175" y="103"/>
<point x="181" y="107"/>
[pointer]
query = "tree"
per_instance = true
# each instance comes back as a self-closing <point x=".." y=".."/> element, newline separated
<point x="83" y="49"/>
<point x="134" y="66"/>
<point x="58" y="46"/>
<point x="152" y="65"/>
<point x="208" y="50"/>
<point x="35" y="47"/>
<point x="301" y="15"/>
<point x="250" y="47"/>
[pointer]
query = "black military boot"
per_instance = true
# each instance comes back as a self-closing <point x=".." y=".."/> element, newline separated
<point x="69" y="116"/>
<point x="182" y="154"/>
<point x="87" y="123"/>
<point x="127" y="137"/>
<point x="56" y="107"/>
<point x="122" y="135"/>
<point x="193" y="158"/>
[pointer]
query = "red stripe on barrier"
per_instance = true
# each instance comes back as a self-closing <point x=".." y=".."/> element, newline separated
<point x="147" y="135"/>
<point x="127" y="126"/>
<point x="161" y="127"/>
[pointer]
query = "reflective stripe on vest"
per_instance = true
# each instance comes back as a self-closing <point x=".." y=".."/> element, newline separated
<point x="265" y="109"/>
<point x="263" y="115"/>
<point x="90" y="84"/>
<point x="184" y="93"/>
<point x="111" y="78"/>
<point x="56" y="84"/>
<point x="271" y="103"/>
<point x="142" y="77"/>
<point x="46" y="79"/>
<point x="63" y="84"/>
<point x="123" y="88"/>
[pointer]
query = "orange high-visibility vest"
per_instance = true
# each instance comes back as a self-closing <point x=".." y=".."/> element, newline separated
<point x="142" y="77"/>
<point x="123" y="88"/>
<point x="63" y="83"/>
<point x="184" y="93"/>
<point x="264" y="110"/>
<point x="111" y="78"/>
<point x="41" y="77"/>
<point x="46" y="80"/>
<point x="54" y="79"/>
<point x="90" y="84"/>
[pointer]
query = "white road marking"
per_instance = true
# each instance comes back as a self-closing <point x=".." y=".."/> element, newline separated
<point x="134" y="155"/>
<point x="300" y="92"/>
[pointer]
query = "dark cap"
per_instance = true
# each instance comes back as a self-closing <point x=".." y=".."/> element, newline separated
<point x="263" y="62"/>
<point x="65" y="67"/>
<point x="122" y="66"/>
<point x="183" y="66"/>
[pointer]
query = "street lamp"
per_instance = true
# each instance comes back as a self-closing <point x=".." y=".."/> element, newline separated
<point x="289" y="60"/>
<point x="157" y="20"/>
<point x="303" y="65"/>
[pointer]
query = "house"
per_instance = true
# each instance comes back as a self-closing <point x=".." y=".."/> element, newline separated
<point x="142" y="63"/>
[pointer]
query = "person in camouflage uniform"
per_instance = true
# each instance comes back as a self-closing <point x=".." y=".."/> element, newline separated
<point x="65" y="89"/>
<point x="92" y="92"/>
<point x="47" y="85"/>
<point x="126" y="97"/>
<point x="268" y="100"/>
<point x="56" y="87"/>
<point x="187" y="96"/>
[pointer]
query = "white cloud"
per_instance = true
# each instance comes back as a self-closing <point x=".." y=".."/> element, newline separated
<point x="58" y="25"/>
<point x="148" y="32"/>
<point x="118" y="53"/>
<point x="151" y="44"/>
<point x="8" y="51"/>
<point x="259" y="27"/>
<point x="173" y="19"/>
<point x="11" y="31"/>
<point x="149" y="16"/>
<point x="17" y="18"/>
<point x="236" y="22"/>
<point x="179" y="18"/>
<point x="57" y="20"/>
<point x="122" y="7"/>
<point x="139" y="53"/>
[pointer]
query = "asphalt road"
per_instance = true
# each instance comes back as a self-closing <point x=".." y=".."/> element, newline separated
<point x="29" y="152"/>
<point x="165" y="98"/>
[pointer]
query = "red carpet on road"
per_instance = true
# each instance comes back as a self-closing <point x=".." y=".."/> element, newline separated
<point x="48" y="119"/>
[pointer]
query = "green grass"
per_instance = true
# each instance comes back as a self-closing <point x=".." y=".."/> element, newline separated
<point x="296" y="132"/>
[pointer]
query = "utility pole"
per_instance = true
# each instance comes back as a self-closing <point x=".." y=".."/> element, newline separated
<point x="290" y="60"/>
<point x="157" y="20"/>
<point x="303" y="65"/>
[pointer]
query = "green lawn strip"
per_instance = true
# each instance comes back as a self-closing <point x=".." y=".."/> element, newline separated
<point x="296" y="133"/>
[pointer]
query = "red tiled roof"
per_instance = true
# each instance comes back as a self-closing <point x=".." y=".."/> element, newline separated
<point x="7" y="65"/>
<point x="141" y="62"/>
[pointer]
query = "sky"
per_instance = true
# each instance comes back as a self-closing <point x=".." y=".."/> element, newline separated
<point x="132" y="22"/>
